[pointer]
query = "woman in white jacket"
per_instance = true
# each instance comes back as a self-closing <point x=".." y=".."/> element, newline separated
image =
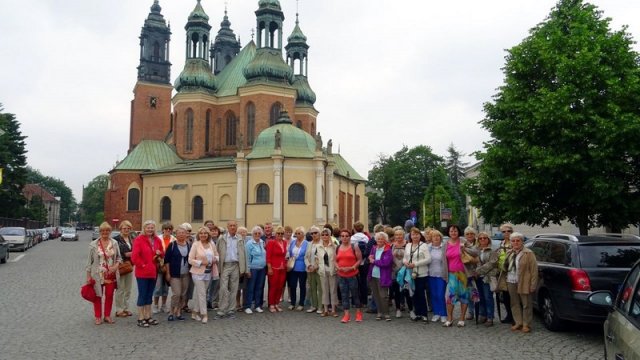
<point x="417" y="259"/>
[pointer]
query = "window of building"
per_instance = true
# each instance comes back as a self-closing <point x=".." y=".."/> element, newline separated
<point x="251" y="123"/>
<point x="133" y="200"/>
<point x="275" y="113"/>
<point x="296" y="194"/>
<point x="262" y="194"/>
<point x="207" y="132"/>
<point x="231" y="129"/>
<point x="188" y="132"/>
<point x="197" y="213"/>
<point x="165" y="209"/>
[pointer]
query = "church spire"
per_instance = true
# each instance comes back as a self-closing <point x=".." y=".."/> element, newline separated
<point x="225" y="46"/>
<point x="298" y="60"/>
<point x="154" y="48"/>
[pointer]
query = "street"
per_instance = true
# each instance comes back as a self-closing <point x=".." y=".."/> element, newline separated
<point x="43" y="316"/>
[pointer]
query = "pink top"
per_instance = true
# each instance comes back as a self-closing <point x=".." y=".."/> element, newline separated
<point x="453" y="258"/>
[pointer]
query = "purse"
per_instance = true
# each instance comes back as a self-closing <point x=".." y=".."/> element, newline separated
<point x="291" y="263"/>
<point x="467" y="258"/>
<point x="88" y="292"/>
<point x="493" y="284"/>
<point x="125" y="267"/>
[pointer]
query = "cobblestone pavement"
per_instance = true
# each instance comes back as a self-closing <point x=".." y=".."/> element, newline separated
<point x="42" y="316"/>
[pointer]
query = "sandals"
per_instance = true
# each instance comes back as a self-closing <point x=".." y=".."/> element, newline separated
<point x="460" y="323"/>
<point x="151" y="321"/>
<point x="98" y="321"/>
<point x="108" y="320"/>
<point x="447" y="323"/>
<point x="121" y="314"/>
<point x="143" y="323"/>
<point x="387" y="318"/>
<point x="324" y="314"/>
<point x="272" y="309"/>
<point x="334" y="314"/>
<point x="129" y="313"/>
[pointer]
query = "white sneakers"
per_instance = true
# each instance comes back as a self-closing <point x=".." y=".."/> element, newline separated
<point x="398" y="313"/>
<point x="300" y="308"/>
<point x="248" y="311"/>
<point x="435" y="318"/>
<point x="259" y="310"/>
<point x="412" y="315"/>
<point x="196" y="317"/>
<point x="155" y="309"/>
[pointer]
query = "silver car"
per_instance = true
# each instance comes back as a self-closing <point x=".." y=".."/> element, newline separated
<point x="69" y="234"/>
<point x="17" y="237"/>
<point x="622" y="327"/>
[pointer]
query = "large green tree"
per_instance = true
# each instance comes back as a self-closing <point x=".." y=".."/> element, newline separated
<point x="565" y="126"/>
<point x="456" y="167"/>
<point x="441" y="193"/>
<point x="93" y="199"/>
<point x="399" y="183"/>
<point x="56" y="187"/>
<point x="13" y="162"/>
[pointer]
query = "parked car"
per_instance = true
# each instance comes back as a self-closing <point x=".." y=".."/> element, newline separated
<point x="571" y="267"/>
<point x="622" y="327"/>
<point x="45" y="234"/>
<point x="69" y="234"/>
<point x="17" y="237"/>
<point x="96" y="233"/>
<point x="4" y="250"/>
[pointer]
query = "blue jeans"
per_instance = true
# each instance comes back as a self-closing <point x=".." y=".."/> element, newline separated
<point x="349" y="291"/>
<point x="297" y="279"/>
<point x="486" y="299"/>
<point x="419" y="298"/>
<point x="145" y="291"/>
<point x="437" y="287"/>
<point x="254" y="292"/>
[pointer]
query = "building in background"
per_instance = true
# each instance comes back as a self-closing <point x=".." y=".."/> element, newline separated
<point x="51" y="203"/>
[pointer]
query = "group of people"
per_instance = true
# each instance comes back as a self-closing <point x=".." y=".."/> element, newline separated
<point x="324" y="271"/>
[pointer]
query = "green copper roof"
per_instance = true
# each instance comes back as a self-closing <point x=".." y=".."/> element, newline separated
<point x="196" y="74"/>
<point x="294" y="143"/>
<point x="198" y="13"/>
<point x="232" y="76"/>
<point x="344" y="169"/>
<point x="155" y="18"/>
<point x="197" y="165"/>
<point x="297" y="35"/>
<point x="149" y="155"/>
<point x="305" y="94"/>
<point x="268" y="65"/>
<point x="275" y="4"/>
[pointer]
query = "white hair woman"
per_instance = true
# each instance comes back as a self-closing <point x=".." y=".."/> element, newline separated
<point x="311" y="262"/>
<point x="146" y="254"/>
<point x="522" y="280"/>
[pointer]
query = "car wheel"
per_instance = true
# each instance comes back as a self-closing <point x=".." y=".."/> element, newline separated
<point x="549" y="314"/>
<point x="6" y="257"/>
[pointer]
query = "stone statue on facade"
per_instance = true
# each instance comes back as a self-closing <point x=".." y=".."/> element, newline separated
<point x="278" y="142"/>
<point x="318" y="142"/>
<point x="329" y="146"/>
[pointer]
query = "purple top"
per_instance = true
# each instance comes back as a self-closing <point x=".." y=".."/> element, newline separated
<point x="385" y="265"/>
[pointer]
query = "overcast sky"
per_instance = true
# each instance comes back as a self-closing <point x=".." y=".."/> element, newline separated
<point x="386" y="73"/>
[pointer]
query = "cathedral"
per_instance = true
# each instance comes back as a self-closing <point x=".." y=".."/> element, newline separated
<point x="234" y="137"/>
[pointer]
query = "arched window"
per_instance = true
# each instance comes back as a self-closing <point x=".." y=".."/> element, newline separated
<point x="165" y="209"/>
<point x="296" y="194"/>
<point x="133" y="200"/>
<point x="313" y="130"/>
<point x="262" y="194"/>
<point x="251" y="123"/>
<point x="207" y="132"/>
<point x="275" y="113"/>
<point x="231" y="129"/>
<point x="188" y="131"/>
<point x="197" y="212"/>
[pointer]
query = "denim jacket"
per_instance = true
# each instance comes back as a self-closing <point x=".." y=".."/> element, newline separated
<point x="256" y="254"/>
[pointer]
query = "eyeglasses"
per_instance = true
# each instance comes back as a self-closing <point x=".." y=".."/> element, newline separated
<point x="483" y="237"/>
<point x="507" y="231"/>
<point x="325" y="234"/>
<point x="345" y="236"/>
<point x="314" y="233"/>
<point x="279" y="233"/>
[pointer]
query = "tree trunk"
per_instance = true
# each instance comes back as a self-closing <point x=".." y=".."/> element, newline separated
<point x="583" y="224"/>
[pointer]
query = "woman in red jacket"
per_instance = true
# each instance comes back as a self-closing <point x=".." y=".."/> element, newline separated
<point x="145" y="255"/>
<point x="276" y="268"/>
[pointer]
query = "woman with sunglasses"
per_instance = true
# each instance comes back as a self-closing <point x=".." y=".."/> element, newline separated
<point x="297" y="277"/>
<point x="505" y="247"/>
<point x="327" y="272"/>
<point x="311" y="262"/>
<point x="276" y="269"/>
<point x="348" y="258"/>
<point x="484" y="277"/>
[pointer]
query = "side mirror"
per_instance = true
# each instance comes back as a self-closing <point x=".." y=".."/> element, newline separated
<point x="602" y="298"/>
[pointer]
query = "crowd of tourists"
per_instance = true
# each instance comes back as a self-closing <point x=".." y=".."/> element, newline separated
<point x="339" y="273"/>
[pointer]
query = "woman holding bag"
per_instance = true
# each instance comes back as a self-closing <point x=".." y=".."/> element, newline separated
<point x="297" y="275"/>
<point x="102" y="268"/>
<point x="203" y="258"/>
<point x="123" y="292"/>
<point x="177" y="261"/>
<point x="146" y="254"/>
<point x="276" y="269"/>
<point x="417" y="259"/>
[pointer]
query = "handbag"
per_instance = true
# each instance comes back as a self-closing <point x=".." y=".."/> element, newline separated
<point x="493" y="283"/>
<point x="88" y="292"/>
<point x="467" y="258"/>
<point x="291" y="263"/>
<point x="125" y="267"/>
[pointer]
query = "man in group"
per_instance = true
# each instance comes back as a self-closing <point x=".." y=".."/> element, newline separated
<point x="232" y="265"/>
<point x="268" y="233"/>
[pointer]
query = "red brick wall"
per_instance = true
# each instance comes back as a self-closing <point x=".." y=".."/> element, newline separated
<point x="147" y="122"/>
<point x="115" y="199"/>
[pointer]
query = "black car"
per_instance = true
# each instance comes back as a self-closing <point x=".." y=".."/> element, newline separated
<point x="571" y="267"/>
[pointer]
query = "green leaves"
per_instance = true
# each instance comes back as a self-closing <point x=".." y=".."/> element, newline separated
<point x="563" y="126"/>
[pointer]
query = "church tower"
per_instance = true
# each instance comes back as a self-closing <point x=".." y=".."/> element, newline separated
<point x="225" y="47"/>
<point x="151" y="105"/>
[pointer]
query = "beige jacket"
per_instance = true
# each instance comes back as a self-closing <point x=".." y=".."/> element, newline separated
<point x="93" y="264"/>
<point x="222" y="253"/>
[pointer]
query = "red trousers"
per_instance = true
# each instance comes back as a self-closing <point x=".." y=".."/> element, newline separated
<point x="107" y="292"/>
<point x="276" y="285"/>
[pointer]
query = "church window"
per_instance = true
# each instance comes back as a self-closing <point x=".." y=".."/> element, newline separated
<point x="165" y="209"/>
<point x="262" y="194"/>
<point x="296" y="194"/>
<point x="207" y="132"/>
<point x="251" y="123"/>
<point x="231" y="129"/>
<point x="133" y="200"/>
<point x="275" y="113"/>
<point x="188" y="143"/>
<point x="197" y="213"/>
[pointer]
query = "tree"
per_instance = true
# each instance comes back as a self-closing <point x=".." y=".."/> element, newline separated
<point x="456" y="171"/>
<point x="565" y="127"/>
<point x="56" y="187"/>
<point x="93" y="199"/>
<point x="399" y="183"/>
<point x="13" y="161"/>
<point x="36" y="210"/>
<point x="440" y="194"/>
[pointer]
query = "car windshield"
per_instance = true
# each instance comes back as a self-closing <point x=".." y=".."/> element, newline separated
<point x="609" y="256"/>
<point x="12" y="231"/>
<point x="67" y="231"/>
